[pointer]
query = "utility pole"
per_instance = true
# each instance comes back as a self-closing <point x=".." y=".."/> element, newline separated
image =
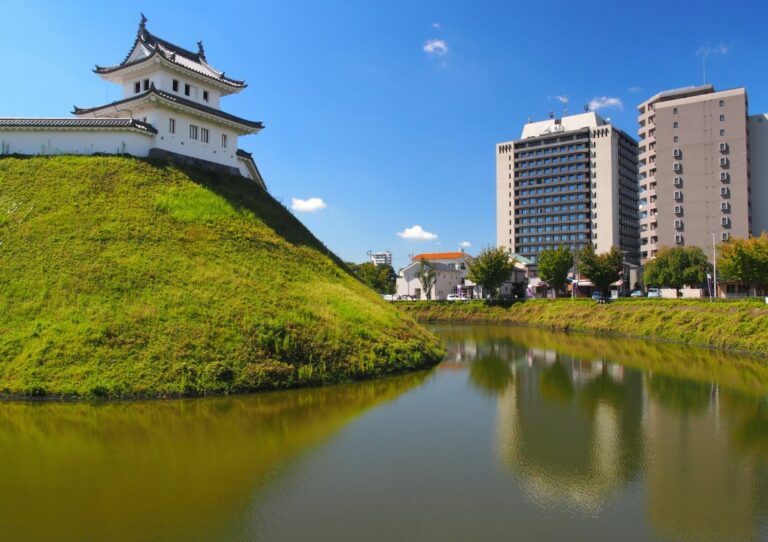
<point x="714" y="266"/>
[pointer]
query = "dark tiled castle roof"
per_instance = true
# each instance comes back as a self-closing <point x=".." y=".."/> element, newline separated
<point x="179" y="56"/>
<point x="76" y="123"/>
<point x="172" y="98"/>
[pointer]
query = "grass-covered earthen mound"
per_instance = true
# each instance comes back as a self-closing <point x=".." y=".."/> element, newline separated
<point x="125" y="278"/>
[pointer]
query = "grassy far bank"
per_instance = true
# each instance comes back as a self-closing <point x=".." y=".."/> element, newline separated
<point x="733" y="325"/>
<point x="125" y="278"/>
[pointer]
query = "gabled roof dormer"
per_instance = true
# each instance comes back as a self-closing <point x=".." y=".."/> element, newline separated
<point x="148" y="48"/>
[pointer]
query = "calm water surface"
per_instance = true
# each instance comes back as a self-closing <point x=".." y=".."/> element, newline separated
<point x="518" y="434"/>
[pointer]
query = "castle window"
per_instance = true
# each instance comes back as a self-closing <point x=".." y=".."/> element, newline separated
<point x="204" y="135"/>
<point x="205" y="95"/>
<point x="192" y="131"/>
<point x="175" y="85"/>
<point x="223" y="141"/>
<point x="137" y="87"/>
<point x="187" y="89"/>
<point x="172" y="126"/>
<point x="146" y="84"/>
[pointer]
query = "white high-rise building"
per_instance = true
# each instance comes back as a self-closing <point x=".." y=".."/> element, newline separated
<point x="380" y="258"/>
<point x="568" y="181"/>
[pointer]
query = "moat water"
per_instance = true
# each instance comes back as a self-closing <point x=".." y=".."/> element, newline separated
<point x="519" y="434"/>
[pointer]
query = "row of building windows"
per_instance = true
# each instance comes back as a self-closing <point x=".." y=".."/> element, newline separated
<point x="552" y="180"/>
<point x="556" y="227"/>
<point x="554" y="199"/>
<point x="195" y="132"/>
<point x="551" y="150"/>
<point x="189" y="90"/>
<point x="543" y="219"/>
<point x="549" y="171"/>
<point x="555" y="160"/>
<point x="550" y="238"/>
<point x="551" y="190"/>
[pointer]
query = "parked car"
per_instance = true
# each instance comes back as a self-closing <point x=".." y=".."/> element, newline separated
<point x="406" y="297"/>
<point x="457" y="297"/>
<point x="637" y="293"/>
<point x="600" y="298"/>
<point x="654" y="292"/>
<point x="387" y="297"/>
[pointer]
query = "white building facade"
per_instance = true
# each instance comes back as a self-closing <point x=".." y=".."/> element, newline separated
<point x="568" y="181"/>
<point x="170" y="108"/>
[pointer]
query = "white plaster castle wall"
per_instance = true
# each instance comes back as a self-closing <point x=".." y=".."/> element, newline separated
<point x="181" y="143"/>
<point x="244" y="171"/>
<point x="163" y="80"/>
<point x="62" y="141"/>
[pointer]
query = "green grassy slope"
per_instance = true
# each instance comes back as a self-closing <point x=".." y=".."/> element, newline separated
<point x="123" y="278"/>
<point x="732" y="325"/>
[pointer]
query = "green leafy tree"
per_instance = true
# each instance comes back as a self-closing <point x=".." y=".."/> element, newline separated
<point x="601" y="269"/>
<point x="676" y="267"/>
<point x="491" y="268"/>
<point x="427" y="277"/>
<point x="553" y="267"/>
<point x="745" y="260"/>
<point x="379" y="277"/>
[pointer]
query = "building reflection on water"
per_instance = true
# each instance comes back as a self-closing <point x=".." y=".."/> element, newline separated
<point x="575" y="431"/>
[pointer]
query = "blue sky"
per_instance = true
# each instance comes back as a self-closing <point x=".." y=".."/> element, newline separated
<point x="389" y="111"/>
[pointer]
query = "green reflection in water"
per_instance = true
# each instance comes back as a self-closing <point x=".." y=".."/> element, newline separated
<point x="160" y="470"/>
<point x="585" y="417"/>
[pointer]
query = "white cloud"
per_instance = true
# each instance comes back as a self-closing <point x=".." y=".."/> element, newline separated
<point x="417" y="233"/>
<point x="437" y="26"/>
<point x="465" y="244"/>
<point x="307" y="205"/>
<point x="562" y="99"/>
<point x="436" y="47"/>
<point x="634" y="90"/>
<point x="720" y="49"/>
<point x="603" y="102"/>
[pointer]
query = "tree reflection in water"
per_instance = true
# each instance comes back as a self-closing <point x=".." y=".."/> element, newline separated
<point x="584" y="417"/>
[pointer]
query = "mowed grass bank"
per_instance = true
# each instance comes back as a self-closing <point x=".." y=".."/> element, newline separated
<point x="732" y="325"/>
<point x="125" y="278"/>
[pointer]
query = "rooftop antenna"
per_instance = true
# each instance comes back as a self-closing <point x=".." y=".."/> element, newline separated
<point x="586" y="108"/>
<point x="704" y="69"/>
<point x="565" y="105"/>
<point x="530" y="119"/>
<point x="551" y="115"/>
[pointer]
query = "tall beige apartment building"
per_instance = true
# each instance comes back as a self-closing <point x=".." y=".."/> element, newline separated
<point x="693" y="168"/>
<point x="570" y="181"/>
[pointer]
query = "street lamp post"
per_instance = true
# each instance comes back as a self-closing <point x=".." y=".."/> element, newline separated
<point x="714" y="266"/>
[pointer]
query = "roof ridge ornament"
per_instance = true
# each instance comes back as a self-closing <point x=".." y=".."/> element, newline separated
<point x="200" y="50"/>
<point x="143" y="23"/>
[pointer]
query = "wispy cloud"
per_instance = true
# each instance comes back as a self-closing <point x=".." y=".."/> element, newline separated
<point x="307" y="205"/>
<point x="436" y="47"/>
<point x="437" y="26"/>
<point x="562" y="99"/>
<point x="417" y="233"/>
<point x="465" y="244"/>
<point x="719" y="49"/>
<point x="605" y="102"/>
<point x="634" y="90"/>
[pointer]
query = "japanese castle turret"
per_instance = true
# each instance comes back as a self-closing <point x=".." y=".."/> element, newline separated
<point x="170" y="108"/>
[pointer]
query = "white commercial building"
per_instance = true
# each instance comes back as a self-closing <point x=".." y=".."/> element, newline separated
<point x="447" y="280"/>
<point x="170" y="108"/>
<point x="568" y="181"/>
<point x="380" y="258"/>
